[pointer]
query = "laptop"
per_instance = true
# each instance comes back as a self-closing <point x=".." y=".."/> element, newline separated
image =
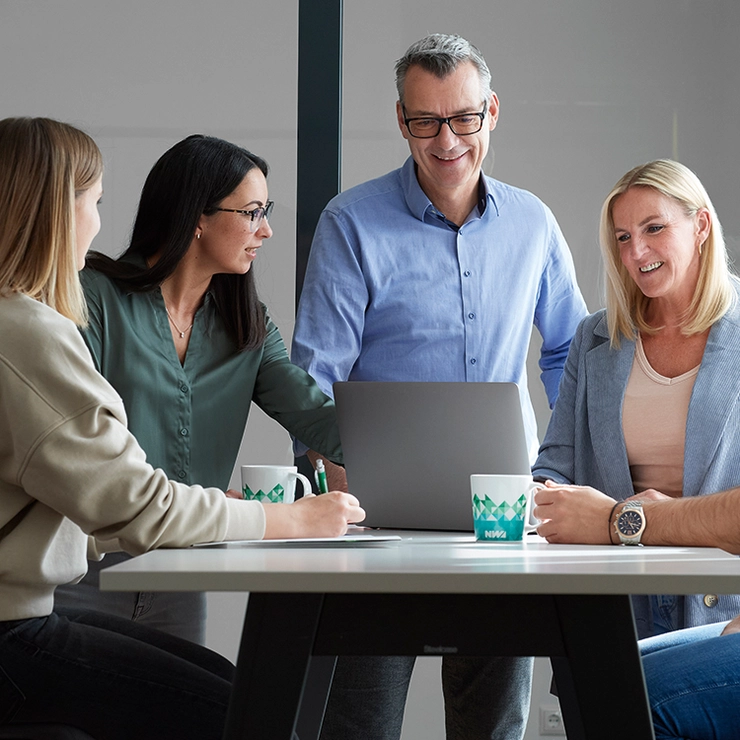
<point x="410" y="448"/>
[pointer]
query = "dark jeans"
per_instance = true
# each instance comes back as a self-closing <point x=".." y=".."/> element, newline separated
<point x="112" y="678"/>
<point x="179" y="614"/>
<point x="485" y="698"/>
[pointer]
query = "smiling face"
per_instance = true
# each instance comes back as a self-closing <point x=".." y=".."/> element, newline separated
<point x="87" y="219"/>
<point x="226" y="244"/>
<point x="448" y="166"/>
<point x="659" y="244"/>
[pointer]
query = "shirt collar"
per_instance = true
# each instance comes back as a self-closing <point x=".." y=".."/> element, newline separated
<point x="418" y="202"/>
<point x="139" y="261"/>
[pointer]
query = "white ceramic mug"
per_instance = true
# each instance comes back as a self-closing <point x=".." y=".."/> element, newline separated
<point x="272" y="483"/>
<point x="501" y="506"/>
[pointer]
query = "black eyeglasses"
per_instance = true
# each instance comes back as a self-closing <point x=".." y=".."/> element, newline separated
<point x="255" y="215"/>
<point x="427" y="127"/>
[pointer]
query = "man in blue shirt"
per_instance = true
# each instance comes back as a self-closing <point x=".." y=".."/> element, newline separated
<point x="435" y="272"/>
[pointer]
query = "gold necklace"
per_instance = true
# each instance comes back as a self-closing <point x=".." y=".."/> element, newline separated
<point x="182" y="332"/>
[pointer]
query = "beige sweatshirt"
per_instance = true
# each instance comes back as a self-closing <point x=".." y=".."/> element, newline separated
<point x="64" y="442"/>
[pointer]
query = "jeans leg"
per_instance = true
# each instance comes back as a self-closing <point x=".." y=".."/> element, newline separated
<point x="694" y="689"/>
<point x="115" y="679"/>
<point x="486" y="698"/>
<point x="680" y="637"/>
<point x="179" y="614"/>
<point x="182" y="614"/>
<point x="367" y="698"/>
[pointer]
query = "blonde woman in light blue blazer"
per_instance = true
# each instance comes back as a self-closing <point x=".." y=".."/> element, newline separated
<point x="672" y="300"/>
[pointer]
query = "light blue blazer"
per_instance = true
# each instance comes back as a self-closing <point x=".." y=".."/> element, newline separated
<point x="584" y="443"/>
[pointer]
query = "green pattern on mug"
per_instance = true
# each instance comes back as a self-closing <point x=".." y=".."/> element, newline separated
<point x="274" y="496"/>
<point x="498" y="522"/>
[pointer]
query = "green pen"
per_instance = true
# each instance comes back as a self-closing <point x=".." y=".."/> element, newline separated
<point x="320" y="476"/>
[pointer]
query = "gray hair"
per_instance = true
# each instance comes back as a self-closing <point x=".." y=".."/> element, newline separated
<point x="441" y="54"/>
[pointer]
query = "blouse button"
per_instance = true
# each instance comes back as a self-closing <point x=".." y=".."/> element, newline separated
<point x="710" y="601"/>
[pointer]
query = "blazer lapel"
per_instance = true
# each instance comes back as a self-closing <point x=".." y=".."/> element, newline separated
<point x="716" y="388"/>
<point x="607" y="372"/>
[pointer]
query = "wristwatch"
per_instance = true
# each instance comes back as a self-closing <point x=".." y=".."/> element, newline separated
<point x="630" y="524"/>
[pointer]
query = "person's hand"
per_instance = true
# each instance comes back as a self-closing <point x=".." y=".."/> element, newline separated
<point x="231" y="493"/>
<point x="650" y="494"/>
<point x="573" y="514"/>
<point x="732" y="626"/>
<point x="327" y="515"/>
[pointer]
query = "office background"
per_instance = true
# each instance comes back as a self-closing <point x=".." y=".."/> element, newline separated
<point x="588" y="89"/>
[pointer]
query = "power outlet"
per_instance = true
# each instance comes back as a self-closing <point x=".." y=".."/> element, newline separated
<point x="551" y="721"/>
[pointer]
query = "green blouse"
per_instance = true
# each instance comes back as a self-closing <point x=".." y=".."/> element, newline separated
<point x="190" y="418"/>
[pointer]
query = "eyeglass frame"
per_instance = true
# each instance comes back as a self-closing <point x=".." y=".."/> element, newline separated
<point x="255" y="220"/>
<point x="441" y="121"/>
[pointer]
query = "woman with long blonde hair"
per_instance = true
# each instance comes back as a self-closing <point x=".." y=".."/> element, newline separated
<point x="69" y="468"/>
<point x="649" y="404"/>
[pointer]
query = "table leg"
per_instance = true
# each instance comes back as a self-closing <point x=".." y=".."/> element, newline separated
<point x="274" y="654"/>
<point x="315" y="696"/>
<point x="602" y="661"/>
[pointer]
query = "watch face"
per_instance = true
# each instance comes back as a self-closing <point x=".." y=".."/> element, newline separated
<point x="629" y="523"/>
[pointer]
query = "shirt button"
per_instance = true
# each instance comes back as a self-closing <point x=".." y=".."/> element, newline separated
<point x="184" y="432"/>
<point x="710" y="601"/>
<point x="184" y="388"/>
<point x="181" y="474"/>
<point x="467" y="273"/>
<point x="471" y="315"/>
<point x="473" y="360"/>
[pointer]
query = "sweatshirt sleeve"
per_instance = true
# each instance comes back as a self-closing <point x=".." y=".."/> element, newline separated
<point x="91" y="470"/>
<point x="66" y="444"/>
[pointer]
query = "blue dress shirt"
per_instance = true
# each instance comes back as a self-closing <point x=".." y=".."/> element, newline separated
<point x="395" y="291"/>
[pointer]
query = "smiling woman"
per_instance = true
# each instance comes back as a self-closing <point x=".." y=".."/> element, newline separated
<point x="648" y="406"/>
<point x="667" y="205"/>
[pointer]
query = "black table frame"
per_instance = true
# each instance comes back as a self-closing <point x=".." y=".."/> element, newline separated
<point x="590" y="639"/>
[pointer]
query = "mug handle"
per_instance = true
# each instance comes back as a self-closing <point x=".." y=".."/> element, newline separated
<point x="530" y="522"/>
<point x="306" y="485"/>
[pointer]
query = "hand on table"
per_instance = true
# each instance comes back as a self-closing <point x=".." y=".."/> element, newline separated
<point x="649" y="494"/>
<point x="327" y="515"/>
<point x="573" y="514"/>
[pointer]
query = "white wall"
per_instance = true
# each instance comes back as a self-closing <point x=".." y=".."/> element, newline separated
<point x="588" y="88"/>
<point x="140" y="76"/>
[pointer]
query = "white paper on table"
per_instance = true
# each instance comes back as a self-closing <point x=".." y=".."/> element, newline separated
<point x="348" y="540"/>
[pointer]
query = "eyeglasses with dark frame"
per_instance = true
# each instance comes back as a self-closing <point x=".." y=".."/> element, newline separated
<point x="427" y="127"/>
<point x="255" y="215"/>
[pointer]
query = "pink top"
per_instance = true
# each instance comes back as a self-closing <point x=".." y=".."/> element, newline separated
<point x="654" y="425"/>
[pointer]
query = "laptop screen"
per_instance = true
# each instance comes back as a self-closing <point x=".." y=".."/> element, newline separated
<point x="411" y="447"/>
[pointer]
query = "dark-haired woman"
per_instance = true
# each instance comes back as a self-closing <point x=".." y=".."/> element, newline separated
<point x="177" y="328"/>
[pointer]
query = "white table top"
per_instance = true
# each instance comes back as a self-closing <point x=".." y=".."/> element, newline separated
<point x="426" y="562"/>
